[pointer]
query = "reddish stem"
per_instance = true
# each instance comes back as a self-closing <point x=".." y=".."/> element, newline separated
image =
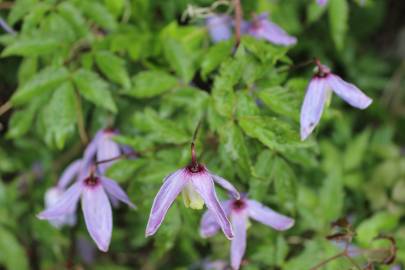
<point x="238" y="21"/>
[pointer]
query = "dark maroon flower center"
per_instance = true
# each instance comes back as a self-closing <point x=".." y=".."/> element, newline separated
<point x="195" y="168"/>
<point x="238" y="204"/>
<point x="91" y="181"/>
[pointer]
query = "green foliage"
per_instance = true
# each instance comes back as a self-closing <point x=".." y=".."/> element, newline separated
<point x="74" y="67"/>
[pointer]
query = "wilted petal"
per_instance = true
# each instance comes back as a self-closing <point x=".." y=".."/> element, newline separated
<point x="348" y="92"/>
<point x="209" y="225"/>
<point x="263" y="28"/>
<point x="172" y="186"/>
<point x="312" y="108"/>
<point x="115" y="191"/>
<point x="107" y="149"/>
<point x="238" y="244"/>
<point x="268" y="216"/>
<point x="204" y="185"/>
<point x="69" y="173"/>
<point x="226" y="185"/>
<point x="97" y="215"/>
<point x="219" y="28"/>
<point x="66" y="204"/>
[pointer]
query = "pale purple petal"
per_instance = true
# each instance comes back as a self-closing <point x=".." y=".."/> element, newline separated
<point x="209" y="225"/>
<point x="269" y="217"/>
<point x="263" y="28"/>
<point x="238" y="244"/>
<point x="97" y="215"/>
<point x="66" y="204"/>
<point x="348" y="92"/>
<point x="219" y="28"/>
<point x="115" y="191"/>
<point x="321" y="2"/>
<point x="172" y="186"/>
<point x="52" y="197"/>
<point x="107" y="149"/>
<point x="91" y="149"/>
<point x="204" y="185"/>
<point x="226" y="185"/>
<point x="312" y="107"/>
<point x="69" y="173"/>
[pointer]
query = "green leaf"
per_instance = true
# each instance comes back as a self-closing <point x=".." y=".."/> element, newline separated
<point x="113" y="67"/>
<point x="12" y="253"/>
<point x="20" y="9"/>
<point x="59" y="115"/>
<point x="179" y="59"/>
<point x="356" y="150"/>
<point x="271" y="132"/>
<point x="263" y="50"/>
<point x="22" y="120"/>
<point x="338" y="11"/>
<point x="123" y="170"/>
<point x="282" y="101"/>
<point x="222" y="92"/>
<point x="33" y="46"/>
<point x="99" y="14"/>
<point x="152" y="83"/>
<point x="94" y="89"/>
<point x="284" y="182"/>
<point x="235" y="147"/>
<point x="215" y="56"/>
<point x="46" y="80"/>
<point x="379" y="223"/>
<point x="331" y="198"/>
<point x="74" y="16"/>
<point x="314" y="11"/>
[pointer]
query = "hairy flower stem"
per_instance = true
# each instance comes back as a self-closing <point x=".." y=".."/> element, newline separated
<point x="238" y="21"/>
<point x="193" y="155"/>
<point x="337" y="256"/>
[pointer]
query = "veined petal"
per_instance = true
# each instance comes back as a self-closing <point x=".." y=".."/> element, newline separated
<point x="269" y="217"/>
<point x="52" y="197"/>
<point x="115" y="191"/>
<point x="97" y="215"/>
<point x="348" y="92"/>
<point x="312" y="108"/>
<point x="209" y="225"/>
<point x="270" y="31"/>
<point x="204" y="185"/>
<point x="219" y="28"/>
<point x="66" y="204"/>
<point x="172" y="186"/>
<point x="238" y="244"/>
<point x="69" y="173"/>
<point x="226" y="185"/>
<point x="107" y="149"/>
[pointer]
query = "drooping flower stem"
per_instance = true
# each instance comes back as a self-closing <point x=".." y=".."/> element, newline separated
<point x="238" y="21"/>
<point x="194" y="163"/>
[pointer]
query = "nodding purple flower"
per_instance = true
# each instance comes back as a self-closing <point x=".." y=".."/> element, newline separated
<point x="96" y="206"/>
<point x="239" y="212"/>
<point x="319" y="90"/>
<point x="197" y="185"/>
<point x="219" y="27"/>
<point x="322" y="2"/>
<point x="262" y="28"/>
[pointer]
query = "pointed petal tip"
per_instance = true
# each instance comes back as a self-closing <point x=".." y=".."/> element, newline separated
<point x="103" y="247"/>
<point x="288" y="224"/>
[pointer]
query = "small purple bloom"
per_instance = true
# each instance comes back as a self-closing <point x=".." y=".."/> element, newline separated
<point x="197" y="185"/>
<point x="219" y="27"/>
<point x="319" y="89"/>
<point x="322" y="2"/>
<point x="262" y="28"/>
<point x="96" y="206"/>
<point x="239" y="212"/>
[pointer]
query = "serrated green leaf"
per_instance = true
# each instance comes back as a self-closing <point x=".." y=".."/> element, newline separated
<point x="338" y="11"/>
<point x="179" y="59"/>
<point x="380" y="223"/>
<point x="94" y="89"/>
<point x="99" y="14"/>
<point x="152" y="83"/>
<point x="32" y="46"/>
<point x="74" y="16"/>
<point x="113" y="67"/>
<point x="271" y="132"/>
<point x="59" y="115"/>
<point x="282" y="101"/>
<point x="263" y="50"/>
<point x="355" y="151"/>
<point x="46" y="80"/>
<point x="12" y="253"/>
<point x="20" y="9"/>
<point x="284" y="182"/>
<point x="21" y="121"/>
<point x="215" y="56"/>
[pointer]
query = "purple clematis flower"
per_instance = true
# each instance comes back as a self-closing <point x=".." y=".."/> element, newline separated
<point x="322" y="2"/>
<point x="197" y="185"/>
<point x="96" y="206"/>
<point x="262" y="28"/>
<point x="319" y="90"/>
<point x="219" y="27"/>
<point x="239" y="212"/>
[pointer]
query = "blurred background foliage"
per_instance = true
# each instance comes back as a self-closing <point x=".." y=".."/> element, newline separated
<point x="72" y="67"/>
